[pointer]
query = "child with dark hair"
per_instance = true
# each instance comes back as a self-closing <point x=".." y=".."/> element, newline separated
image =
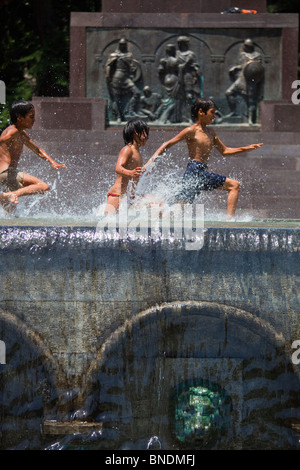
<point x="129" y="164"/>
<point x="133" y="128"/>
<point x="202" y="104"/>
<point x="200" y="141"/>
<point x="19" y="108"/>
<point x="15" y="183"/>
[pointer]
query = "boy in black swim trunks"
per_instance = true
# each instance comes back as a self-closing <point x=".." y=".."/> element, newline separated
<point x="14" y="183"/>
<point x="200" y="142"/>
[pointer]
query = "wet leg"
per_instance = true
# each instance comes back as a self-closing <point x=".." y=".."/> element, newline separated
<point x="112" y="205"/>
<point x="233" y="188"/>
<point x="32" y="185"/>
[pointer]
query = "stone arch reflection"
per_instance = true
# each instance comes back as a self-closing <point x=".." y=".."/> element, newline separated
<point x="29" y="385"/>
<point x="145" y="362"/>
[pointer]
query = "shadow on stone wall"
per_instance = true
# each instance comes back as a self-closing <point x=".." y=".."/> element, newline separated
<point x="145" y="363"/>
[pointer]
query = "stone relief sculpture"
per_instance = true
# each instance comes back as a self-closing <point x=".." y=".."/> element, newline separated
<point x="179" y="75"/>
<point x="179" y="82"/>
<point x="151" y="104"/>
<point x="248" y="78"/>
<point x="190" y="76"/>
<point x="168" y="73"/>
<point x="181" y="79"/>
<point x="122" y="71"/>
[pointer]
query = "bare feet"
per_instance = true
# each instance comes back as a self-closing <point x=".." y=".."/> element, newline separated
<point x="9" y="197"/>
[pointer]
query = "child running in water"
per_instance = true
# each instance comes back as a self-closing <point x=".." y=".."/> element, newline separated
<point x="15" y="183"/>
<point x="129" y="165"/>
<point x="200" y="142"/>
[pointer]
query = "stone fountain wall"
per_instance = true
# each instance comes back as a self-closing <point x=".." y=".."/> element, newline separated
<point x="104" y="332"/>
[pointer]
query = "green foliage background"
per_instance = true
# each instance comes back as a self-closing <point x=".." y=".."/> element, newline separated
<point x="34" y="52"/>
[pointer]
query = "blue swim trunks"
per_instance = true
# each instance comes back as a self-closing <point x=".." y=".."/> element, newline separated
<point x="196" y="178"/>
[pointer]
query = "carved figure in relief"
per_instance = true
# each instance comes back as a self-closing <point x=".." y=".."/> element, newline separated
<point x="122" y="71"/>
<point x="247" y="77"/>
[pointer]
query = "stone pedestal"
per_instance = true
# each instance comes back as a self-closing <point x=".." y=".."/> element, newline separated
<point x="280" y="116"/>
<point x="69" y="113"/>
<point x="216" y="40"/>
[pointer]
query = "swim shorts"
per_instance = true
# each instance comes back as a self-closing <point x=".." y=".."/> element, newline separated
<point x="196" y="178"/>
<point x="11" y="179"/>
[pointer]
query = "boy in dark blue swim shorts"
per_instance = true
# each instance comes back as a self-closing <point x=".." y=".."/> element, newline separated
<point x="197" y="178"/>
<point x="200" y="141"/>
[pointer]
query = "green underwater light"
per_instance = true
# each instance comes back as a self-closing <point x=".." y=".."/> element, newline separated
<point x="200" y="414"/>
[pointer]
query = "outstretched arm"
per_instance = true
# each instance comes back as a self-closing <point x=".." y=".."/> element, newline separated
<point x="226" y="151"/>
<point x="42" y="154"/>
<point x="166" y="145"/>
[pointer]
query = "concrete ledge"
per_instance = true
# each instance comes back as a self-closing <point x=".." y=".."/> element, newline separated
<point x="168" y="6"/>
<point x="69" y="427"/>
<point x="164" y="20"/>
<point x="279" y="116"/>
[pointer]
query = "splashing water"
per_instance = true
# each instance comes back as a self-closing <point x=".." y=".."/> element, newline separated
<point x="71" y="202"/>
<point x="154" y="443"/>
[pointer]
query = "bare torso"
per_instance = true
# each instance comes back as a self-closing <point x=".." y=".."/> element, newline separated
<point x="11" y="146"/>
<point x="200" y="143"/>
<point x="129" y="159"/>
